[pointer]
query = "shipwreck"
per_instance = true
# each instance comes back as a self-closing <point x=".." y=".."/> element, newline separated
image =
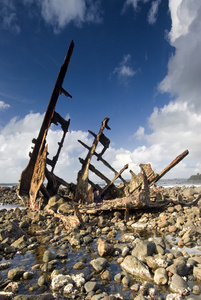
<point x="38" y="182"/>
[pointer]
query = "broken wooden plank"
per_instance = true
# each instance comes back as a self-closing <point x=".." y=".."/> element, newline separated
<point x="113" y="180"/>
<point x="104" y="162"/>
<point x="27" y="174"/>
<point x="95" y="171"/>
<point x="171" y="165"/>
<point x="136" y="182"/>
<point x="82" y="178"/>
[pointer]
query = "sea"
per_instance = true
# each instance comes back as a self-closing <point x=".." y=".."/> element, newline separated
<point x="162" y="182"/>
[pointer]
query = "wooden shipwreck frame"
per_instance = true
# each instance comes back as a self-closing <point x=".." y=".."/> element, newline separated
<point x="87" y="195"/>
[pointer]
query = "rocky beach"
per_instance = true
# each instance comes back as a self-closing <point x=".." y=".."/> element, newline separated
<point x="156" y="254"/>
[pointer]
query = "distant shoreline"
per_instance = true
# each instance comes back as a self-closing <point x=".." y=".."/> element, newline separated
<point x="162" y="182"/>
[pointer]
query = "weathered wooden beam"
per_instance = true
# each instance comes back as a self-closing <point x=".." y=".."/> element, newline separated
<point x="136" y="181"/>
<point x="30" y="171"/>
<point x="104" y="141"/>
<point x="113" y="180"/>
<point x="82" y="178"/>
<point x="171" y="165"/>
<point x="104" y="162"/>
<point x="95" y="171"/>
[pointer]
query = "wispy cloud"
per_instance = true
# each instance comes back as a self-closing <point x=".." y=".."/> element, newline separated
<point x="153" y="12"/>
<point x="134" y="3"/>
<point x="4" y="105"/>
<point x="124" y="71"/>
<point x="59" y="13"/>
<point x="56" y="13"/>
<point x="8" y="17"/>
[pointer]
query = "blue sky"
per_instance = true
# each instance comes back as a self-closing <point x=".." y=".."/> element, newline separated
<point x="135" y="61"/>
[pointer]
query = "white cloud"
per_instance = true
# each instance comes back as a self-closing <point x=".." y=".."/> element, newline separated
<point x="57" y="13"/>
<point x="60" y="13"/>
<point x="184" y="67"/>
<point x="176" y="126"/>
<point x="152" y="16"/>
<point x="4" y="105"/>
<point x="182" y="14"/>
<point x="124" y="71"/>
<point x="15" y="145"/>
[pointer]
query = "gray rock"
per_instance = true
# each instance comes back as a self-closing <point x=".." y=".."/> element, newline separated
<point x="106" y="275"/>
<point x="87" y="239"/>
<point x="197" y="272"/>
<point x="126" y="280"/>
<point x="74" y="241"/>
<point x="179" y="285"/>
<point x="4" y="266"/>
<point x="122" y="248"/>
<point x="139" y="297"/>
<point x="16" y="273"/>
<point x="64" y="208"/>
<point x="6" y="295"/>
<point x="20" y="243"/>
<point x="196" y="290"/>
<point x="157" y="261"/>
<point x="129" y="237"/>
<point x="49" y="267"/>
<point x="48" y="256"/>
<point x="79" y="265"/>
<point x="12" y="230"/>
<point x="179" y="267"/>
<point x="62" y="254"/>
<point x="97" y="297"/>
<point x="118" y="277"/>
<point x="27" y="275"/>
<point x="91" y="286"/>
<point x="104" y="248"/>
<point x="135" y="267"/>
<point x="143" y="249"/>
<point x="99" y="264"/>
<point x="42" y="280"/>
<point x="139" y="226"/>
<point x="161" y="276"/>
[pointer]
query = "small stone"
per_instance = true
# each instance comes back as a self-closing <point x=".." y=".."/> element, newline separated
<point x="126" y="280"/>
<point x="48" y="256"/>
<point x="27" y="275"/>
<point x="161" y="276"/>
<point x="90" y="286"/>
<point x="16" y="273"/>
<point x="196" y="290"/>
<point x="99" y="264"/>
<point x="79" y="265"/>
<point x="106" y="275"/>
<point x="42" y="280"/>
<point x="172" y="228"/>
